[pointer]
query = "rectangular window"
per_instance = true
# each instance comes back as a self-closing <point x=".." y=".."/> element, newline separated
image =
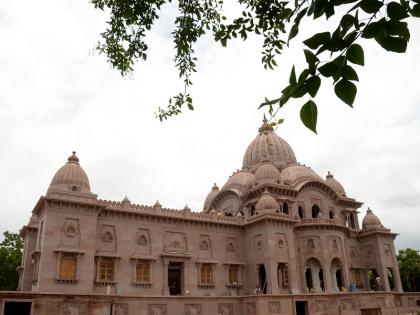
<point x="68" y="266"/>
<point x="106" y="269"/>
<point x="233" y="275"/>
<point x="206" y="274"/>
<point x="142" y="271"/>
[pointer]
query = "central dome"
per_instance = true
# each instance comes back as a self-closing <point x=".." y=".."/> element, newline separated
<point x="268" y="146"/>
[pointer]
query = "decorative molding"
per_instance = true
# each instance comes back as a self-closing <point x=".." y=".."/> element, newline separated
<point x="156" y="309"/>
<point x="225" y="308"/>
<point x="193" y="309"/>
<point x="74" y="309"/>
<point x="120" y="309"/>
<point x="274" y="307"/>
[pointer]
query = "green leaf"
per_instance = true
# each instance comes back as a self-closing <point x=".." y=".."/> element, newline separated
<point x="311" y="59"/>
<point x="346" y="22"/>
<point x="329" y="69"/>
<point x="370" y="6"/>
<point x="317" y="40"/>
<point x="355" y="54"/>
<point x="346" y="91"/>
<point x="312" y="85"/>
<point x="389" y="43"/>
<point x="309" y="115"/>
<point x="396" y="11"/>
<point x="416" y="10"/>
<point x="292" y="78"/>
<point x="294" y="30"/>
<point x="373" y="28"/>
<point x="397" y="28"/>
<point x="349" y="73"/>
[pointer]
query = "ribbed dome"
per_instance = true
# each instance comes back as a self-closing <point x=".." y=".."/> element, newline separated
<point x="267" y="172"/>
<point x="297" y="173"/>
<point x="371" y="221"/>
<point x="241" y="179"/>
<point x="71" y="177"/>
<point x="214" y="191"/>
<point x="267" y="203"/>
<point x="335" y="185"/>
<point x="268" y="145"/>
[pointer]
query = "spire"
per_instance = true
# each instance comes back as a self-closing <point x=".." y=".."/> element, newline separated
<point x="73" y="158"/>
<point x="329" y="175"/>
<point x="215" y="187"/>
<point x="265" y="127"/>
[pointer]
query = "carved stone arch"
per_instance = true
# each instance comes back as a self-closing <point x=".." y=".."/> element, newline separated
<point x="323" y="188"/>
<point x="222" y="200"/>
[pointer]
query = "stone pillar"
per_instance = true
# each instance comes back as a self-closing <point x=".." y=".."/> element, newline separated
<point x="273" y="278"/>
<point x="333" y="273"/>
<point x="315" y="278"/>
<point x="165" y="286"/>
<point x="187" y="272"/>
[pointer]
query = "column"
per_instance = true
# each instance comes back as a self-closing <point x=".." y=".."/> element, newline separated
<point x="165" y="287"/>
<point x="315" y="278"/>
<point x="273" y="278"/>
<point x="334" y="279"/>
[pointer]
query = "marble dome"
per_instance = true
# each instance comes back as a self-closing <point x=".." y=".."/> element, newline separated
<point x="240" y="179"/>
<point x="71" y="177"/>
<point x="297" y="173"/>
<point x="335" y="185"/>
<point x="267" y="202"/>
<point x="268" y="145"/>
<point x="371" y="221"/>
<point x="213" y="192"/>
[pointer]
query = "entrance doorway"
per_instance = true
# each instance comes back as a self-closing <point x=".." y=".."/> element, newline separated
<point x="262" y="275"/>
<point x="175" y="276"/>
<point x="21" y="308"/>
<point x="301" y="308"/>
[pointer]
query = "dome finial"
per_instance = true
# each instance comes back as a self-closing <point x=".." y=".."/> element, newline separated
<point x="264" y="119"/>
<point x="73" y="158"/>
<point x="329" y="175"/>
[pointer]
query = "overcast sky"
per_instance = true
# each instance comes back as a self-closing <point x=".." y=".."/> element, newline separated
<point x="56" y="96"/>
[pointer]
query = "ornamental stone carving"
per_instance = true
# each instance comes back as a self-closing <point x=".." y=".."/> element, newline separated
<point x="251" y="308"/>
<point x="274" y="307"/>
<point x="225" y="309"/>
<point x="74" y="309"/>
<point x="120" y="309"/>
<point x="192" y="309"/>
<point x="156" y="309"/>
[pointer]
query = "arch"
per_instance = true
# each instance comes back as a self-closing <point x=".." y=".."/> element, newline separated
<point x="221" y="195"/>
<point x="314" y="275"/>
<point x="315" y="211"/>
<point x="318" y="185"/>
<point x="301" y="212"/>
<point x="337" y="276"/>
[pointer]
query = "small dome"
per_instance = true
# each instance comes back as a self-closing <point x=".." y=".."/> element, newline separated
<point x="267" y="203"/>
<point x="214" y="191"/>
<point x="371" y="221"/>
<point x="71" y="177"/>
<point x="267" y="172"/>
<point x="297" y="173"/>
<point x="335" y="184"/>
<point x="240" y="179"/>
<point x="268" y="145"/>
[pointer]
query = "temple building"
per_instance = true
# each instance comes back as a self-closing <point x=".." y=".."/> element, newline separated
<point x="276" y="238"/>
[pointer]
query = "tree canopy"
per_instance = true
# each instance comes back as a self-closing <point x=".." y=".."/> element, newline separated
<point x="329" y="55"/>
<point x="10" y="259"/>
<point x="409" y="265"/>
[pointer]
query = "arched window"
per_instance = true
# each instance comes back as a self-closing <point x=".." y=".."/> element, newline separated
<point x="331" y="214"/>
<point x="285" y="208"/>
<point x="315" y="211"/>
<point x="301" y="212"/>
<point x="206" y="274"/>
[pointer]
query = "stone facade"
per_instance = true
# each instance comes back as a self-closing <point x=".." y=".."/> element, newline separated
<point x="276" y="228"/>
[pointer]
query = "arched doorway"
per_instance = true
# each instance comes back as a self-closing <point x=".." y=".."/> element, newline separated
<point x="314" y="276"/>
<point x="337" y="274"/>
<point x="315" y="211"/>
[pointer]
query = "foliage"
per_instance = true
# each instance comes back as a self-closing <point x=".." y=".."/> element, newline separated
<point x="409" y="266"/>
<point x="328" y="54"/>
<point x="10" y="258"/>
